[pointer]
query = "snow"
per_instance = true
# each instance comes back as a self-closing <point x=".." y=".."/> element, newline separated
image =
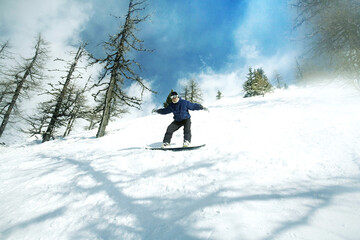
<point x="283" y="166"/>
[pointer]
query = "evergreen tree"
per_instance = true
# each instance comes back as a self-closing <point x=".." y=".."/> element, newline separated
<point x="195" y="94"/>
<point x="168" y="99"/>
<point x="248" y="84"/>
<point x="257" y="83"/>
<point x="218" y="95"/>
<point x="186" y="93"/>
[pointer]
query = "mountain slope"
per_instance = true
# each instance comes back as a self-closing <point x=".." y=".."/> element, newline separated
<point x="283" y="166"/>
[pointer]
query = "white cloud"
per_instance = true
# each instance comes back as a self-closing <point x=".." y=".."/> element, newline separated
<point x="262" y="23"/>
<point x="262" y="39"/>
<point x="255" y="20"/>
<point x="229" y="83"/>
<point x="147" y="100"/>
<point x="59" y="22"/>
<point x="248" y="50"/>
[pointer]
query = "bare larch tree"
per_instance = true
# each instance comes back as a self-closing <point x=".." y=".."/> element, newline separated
<point x="4" y="85"/>
<point x="118" y="67"/>
<point x="79" y="109"/>
<point x="61" y="97"/>
<point x="73" y="107"/>
<point x="195" y="94"/>
<point x="25" y="77"/>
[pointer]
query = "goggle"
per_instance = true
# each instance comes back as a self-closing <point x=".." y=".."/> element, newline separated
<point x="174" y="96"/>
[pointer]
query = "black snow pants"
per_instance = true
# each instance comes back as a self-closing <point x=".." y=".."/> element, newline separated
<point x="174" y="126"/>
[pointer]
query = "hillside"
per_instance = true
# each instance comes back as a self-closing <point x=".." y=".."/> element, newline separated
<point x="283" y="166"/>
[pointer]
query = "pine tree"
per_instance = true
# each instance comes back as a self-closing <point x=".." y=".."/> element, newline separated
<point x="257" y="83"/>
<point x="195" y="94"/>
<point x="186" y="93"/>
<point x="249" y="92"/>
<point x="168" y="99"/>
<point x="218" y="95"/>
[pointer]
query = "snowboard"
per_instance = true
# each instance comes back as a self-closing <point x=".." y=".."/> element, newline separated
<point x="177" y="148"/>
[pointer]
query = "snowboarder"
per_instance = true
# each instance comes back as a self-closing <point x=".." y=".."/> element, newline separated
<point x="180" y="108"/>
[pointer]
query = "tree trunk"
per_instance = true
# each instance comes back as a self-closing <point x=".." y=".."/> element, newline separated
<point x="50" y="130"/>
<point x="12" y="104"/>
<point x="69" y="126"/>
<point x="107" y="107"/>
<point x="73" y="117"/>
<point x="28" y="72"/>
<point x="2" y="96"/>
<point x="120" y="67"/>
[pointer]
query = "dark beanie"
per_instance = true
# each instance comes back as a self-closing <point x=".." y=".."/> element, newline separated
<point x="174" y="94"/>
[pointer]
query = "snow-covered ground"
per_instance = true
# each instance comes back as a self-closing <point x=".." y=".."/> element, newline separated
<point x="283" y="166"/>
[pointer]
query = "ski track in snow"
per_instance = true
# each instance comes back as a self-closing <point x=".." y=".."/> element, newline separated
<point x="283" y="166"/>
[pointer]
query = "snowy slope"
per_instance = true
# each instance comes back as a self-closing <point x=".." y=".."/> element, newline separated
<point x="283" y="166"/>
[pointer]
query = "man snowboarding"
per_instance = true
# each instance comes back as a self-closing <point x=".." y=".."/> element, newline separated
<point x="180" y="108"/>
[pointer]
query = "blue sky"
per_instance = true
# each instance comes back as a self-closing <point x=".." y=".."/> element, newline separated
<point x="191" y="35"/>
<point x="185" y="36"/>
<point x="213" y="41"/>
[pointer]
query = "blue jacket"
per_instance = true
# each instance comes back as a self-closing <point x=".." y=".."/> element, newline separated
<point x="180" y="109"/>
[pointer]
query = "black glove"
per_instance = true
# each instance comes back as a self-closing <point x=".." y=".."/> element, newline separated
<point x="203" y="108"/>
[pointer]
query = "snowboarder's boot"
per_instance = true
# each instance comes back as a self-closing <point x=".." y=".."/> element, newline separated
<point x="165" y="144"/>
<point x="186" y="144"/>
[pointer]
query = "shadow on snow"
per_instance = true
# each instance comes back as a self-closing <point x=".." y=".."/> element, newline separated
<point x="174" y="224"/>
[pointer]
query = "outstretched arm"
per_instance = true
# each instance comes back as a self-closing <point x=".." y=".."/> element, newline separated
<point x="162" y="110"/>
<point x="196" y="106"/>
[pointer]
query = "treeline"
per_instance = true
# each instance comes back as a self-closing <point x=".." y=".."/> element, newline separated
<point x="66" y="101"/>
<point x="256" y="83"/>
